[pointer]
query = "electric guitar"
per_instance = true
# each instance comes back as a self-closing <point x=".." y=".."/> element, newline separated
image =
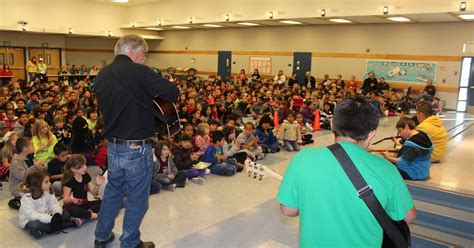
<point x="259" y="171"/>
<point x="166" y="118"/>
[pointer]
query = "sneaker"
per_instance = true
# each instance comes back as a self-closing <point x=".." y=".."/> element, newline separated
<point x="103" y="244"/>
<point x="37" y="234"/>
<point x="14" y="203"/>
<point x="145" y="245"/>
<point x="172" y="187"/>
<point x="78" y="221"/>
<point x="69" y="223"/>
<point x="207" y="172"/>
<point x="198" y="180"/>
<point x="1" y="185"/>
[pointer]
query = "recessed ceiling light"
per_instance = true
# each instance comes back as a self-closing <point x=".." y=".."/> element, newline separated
<point x="467" y="17"/>
<point x="180" y="27"/>
<point x="290" y="22"/>
<point x="399" y="19"/>
<point x="339" y="20"/>
<point x="247" y="24"/>
<point x="212" y="25"/>
<point x="152" y="28"/>
<point x="120" y="1"/>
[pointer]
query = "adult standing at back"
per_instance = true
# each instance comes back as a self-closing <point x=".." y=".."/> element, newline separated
<point x="316" y="188"/>
<point x="125" y="90"/>
<point x="32" y="68"/>
<point x="433" y="126"/>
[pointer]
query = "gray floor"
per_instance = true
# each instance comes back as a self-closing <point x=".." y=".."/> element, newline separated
<point x="225" y="212"/>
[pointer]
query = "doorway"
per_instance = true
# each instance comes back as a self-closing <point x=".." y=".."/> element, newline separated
<point x="301" y="64"/>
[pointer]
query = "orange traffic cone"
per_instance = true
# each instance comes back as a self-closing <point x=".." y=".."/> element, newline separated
<point x="275" y="120"/>
<point x="316" y="122"/>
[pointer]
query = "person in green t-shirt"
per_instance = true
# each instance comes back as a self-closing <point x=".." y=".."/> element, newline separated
<point x="316" y="188"/>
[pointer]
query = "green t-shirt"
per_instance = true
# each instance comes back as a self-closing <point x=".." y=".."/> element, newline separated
<point x="331" y="213"/>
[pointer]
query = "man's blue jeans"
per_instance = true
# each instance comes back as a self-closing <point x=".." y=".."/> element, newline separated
<point x="129" y="175"/>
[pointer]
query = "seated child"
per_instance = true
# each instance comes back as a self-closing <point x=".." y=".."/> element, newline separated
<point x="414" y="159"/>
<point x="20" y="167"/>
<point x="56" y="167"/>
<point x="185" y="159"/>
<point x="249" y="142"/>
<point x="266" y="138"/>
<point x="167" y="173"/>
<point x="76" y="183"/>
<point x="40" y="212"/>
<point x="290" y="133"/>
<point x="437" y="106"/>
<point x="202" y="138"/>
<point x="326" y="116"/>
<point x="220" y="163"/>
<point x="63" y="133"/>
<point x="304" y="128"/>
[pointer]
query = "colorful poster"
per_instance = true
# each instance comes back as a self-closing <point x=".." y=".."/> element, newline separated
<point x="403" y="71"/>
<point x="263" y="64"/>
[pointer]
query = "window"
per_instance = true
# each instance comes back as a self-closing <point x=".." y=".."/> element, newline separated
<point x="464" y="84"/>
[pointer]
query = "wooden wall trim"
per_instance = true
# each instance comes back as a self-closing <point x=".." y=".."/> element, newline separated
<point x="265" y="53"/>
<point x="182" y="52"/>
<point x="388" y="56"/>
<point x="89" y="50"/>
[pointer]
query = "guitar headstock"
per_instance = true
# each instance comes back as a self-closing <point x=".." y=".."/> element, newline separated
<point x="259" y="171"/>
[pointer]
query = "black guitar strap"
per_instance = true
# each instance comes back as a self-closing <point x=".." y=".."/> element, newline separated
<point x="366" y="193"/>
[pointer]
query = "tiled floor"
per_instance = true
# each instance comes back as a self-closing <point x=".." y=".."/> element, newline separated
<point x="236" y="211"/>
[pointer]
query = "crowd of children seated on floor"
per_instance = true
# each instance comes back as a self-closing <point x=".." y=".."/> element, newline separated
<point x="42" y="122"/>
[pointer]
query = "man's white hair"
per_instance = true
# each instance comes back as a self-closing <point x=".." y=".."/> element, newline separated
<point x="130" y="42"/>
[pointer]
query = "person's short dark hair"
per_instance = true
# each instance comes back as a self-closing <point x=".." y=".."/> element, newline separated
<point x="425" y="108"/>
<point x="21" y="143"/>
<point x="44" y="103"/>
<point x="37" y="111"/>
<point x="34" y="93"/>
<point x="355" y="118"/>
<point x="406" y="121"/>
<point x="21" y="100"/>
<point x="58" y="148"/>
<point x="183" y="137"/>
<point x="217" y="136"/>
<point x="213" y="122"/>
<point x="89" y="112"/>
<point x="265" y="119"/>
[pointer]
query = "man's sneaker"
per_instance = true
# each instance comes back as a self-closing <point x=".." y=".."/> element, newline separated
<point x="145" y="245"/>
<point x="207" y="172"/>
<point x="103" y="244"/>
<point x="198" y="180"/>
<point x="37" y="234"/>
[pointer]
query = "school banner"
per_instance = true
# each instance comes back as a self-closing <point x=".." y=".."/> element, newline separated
<point x="403" y="71"/>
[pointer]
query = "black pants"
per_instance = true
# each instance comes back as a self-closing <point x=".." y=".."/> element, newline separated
<point x="240" y="157"/>
<point x="404" y="175"/>
<point x="82" y="211"/>
<point x="36" y="225"/>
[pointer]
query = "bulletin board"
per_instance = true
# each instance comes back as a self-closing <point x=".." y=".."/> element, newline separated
<point x="403" y="71"/>
<point x="263" y="64"/>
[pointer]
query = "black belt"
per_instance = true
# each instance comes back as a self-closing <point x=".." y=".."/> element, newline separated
<point x="131" y="142"/>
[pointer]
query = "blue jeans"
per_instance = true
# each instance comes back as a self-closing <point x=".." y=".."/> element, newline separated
<point x="226" y="168"/>
<point x="291" y="145"/>
<point x="272" y="147"/>
<point x="129" y="173"/>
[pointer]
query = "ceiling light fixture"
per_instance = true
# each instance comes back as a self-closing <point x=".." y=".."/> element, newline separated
<point x="180" y="27"/>
<point x="227" y="18"/>
<point x="463" y="6"/>
<point x="398" y="19"/>
<point x="159" y="22"/>
<point x="339" y="20"/>
<point x="467" y="17"/>
<point x="120" y="1"/>
<point x="23" y="27"/>
<point x="247" y="24"/>
<point x="212" y="26"/>
<point x="290" y="22"/>
<point x="385" y="10"/>
<point x="190" y="20"/>
<point x="323" y="12"/>
<point x="70" y="30"/>
<point x="109" y="33"/>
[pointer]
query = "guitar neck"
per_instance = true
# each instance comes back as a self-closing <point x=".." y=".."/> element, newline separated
<point x="393" y="150"/>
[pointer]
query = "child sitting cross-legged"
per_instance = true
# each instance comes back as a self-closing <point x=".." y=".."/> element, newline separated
<point x="249" y="142"/>
<point x="185" y="159"/>
<point x="414" y="159"/>
<point x="266" y="138"/>
<point x="220" y="163"/>
<point x="166" y="173"/>
<point x="40" y="213"/>
<point x="76" y="183"/>
<point x="290" y="133"/>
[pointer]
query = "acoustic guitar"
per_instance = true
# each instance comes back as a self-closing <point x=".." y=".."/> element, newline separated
<point x="166" y="118"/>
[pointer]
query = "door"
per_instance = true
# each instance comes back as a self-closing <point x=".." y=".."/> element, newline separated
<point x="224" y="64"/>
<point x="466" y="85"/>
<point x="301" y="64"/>
<point x="15" y="58"/>
<point x="51" y="56"/>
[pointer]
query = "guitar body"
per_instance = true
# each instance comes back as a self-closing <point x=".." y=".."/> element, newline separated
<point x="166" y="118"/>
